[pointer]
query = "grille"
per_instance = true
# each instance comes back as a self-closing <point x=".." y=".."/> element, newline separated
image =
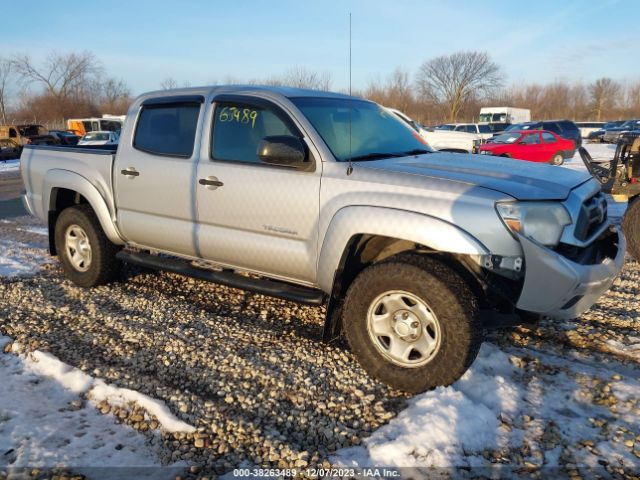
<point x="593" y="213"/>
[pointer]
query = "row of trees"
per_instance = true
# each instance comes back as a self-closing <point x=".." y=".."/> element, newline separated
<point x="444" y="89"/>
<point x="454" y="87"/>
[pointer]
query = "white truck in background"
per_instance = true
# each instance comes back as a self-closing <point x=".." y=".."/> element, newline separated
<point x="499" y="118"/>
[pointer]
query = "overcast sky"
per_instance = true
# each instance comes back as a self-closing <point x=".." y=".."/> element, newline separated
<point x="203" y="42"/>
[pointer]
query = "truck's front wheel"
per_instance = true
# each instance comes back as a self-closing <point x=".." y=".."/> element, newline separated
<point x="411" y="322"/>
<point x="631" y="228"/>
<point x="88" y="257"/>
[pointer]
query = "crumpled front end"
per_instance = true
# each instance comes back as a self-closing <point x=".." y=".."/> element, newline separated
<point x="565" y="282"/>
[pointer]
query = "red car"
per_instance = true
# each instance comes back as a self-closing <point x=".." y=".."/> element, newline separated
<point x="531" y="145"/>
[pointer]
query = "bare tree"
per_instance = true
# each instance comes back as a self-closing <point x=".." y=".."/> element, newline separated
<point x="114" y="96"/>
<point x="457" y="78"/>
<point x="168" y="83"/>
<point x="6" y="74"/>
<point x="603" y="94"/>
<point x="62" y="75"/>
<point x="302" y="77"/>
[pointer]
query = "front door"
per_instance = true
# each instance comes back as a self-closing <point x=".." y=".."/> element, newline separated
<point x="251" y="215"/>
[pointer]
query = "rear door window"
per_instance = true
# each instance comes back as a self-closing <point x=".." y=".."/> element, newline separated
<point x="548" y="138"/>
<point x="167" y="129"/>
<point x="530" y="139"/>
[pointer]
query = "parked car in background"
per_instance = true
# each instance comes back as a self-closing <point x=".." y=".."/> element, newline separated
<point x="587" y="128"/>
<point x="9" y="149"/>
<point x="532" y="145"/>
<point x="597" y="135"/>
<point x="481" y="129"/>
<point x="443" y="140"/>
<point x="27" y="134"/>
<point x="564" y="128"/>
<point x="65" y="137"/>
<point x="613" y="134"/>
<point x="100" y="138"/>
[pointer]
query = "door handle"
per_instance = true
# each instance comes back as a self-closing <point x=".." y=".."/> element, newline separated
<point x="130" y="172"/>
<point x="210" y="182"/>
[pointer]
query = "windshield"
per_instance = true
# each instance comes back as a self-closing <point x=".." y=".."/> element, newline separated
<point x="92" y="137"/>
<point x="505" y="138"/>
<point x="375" y="132"/>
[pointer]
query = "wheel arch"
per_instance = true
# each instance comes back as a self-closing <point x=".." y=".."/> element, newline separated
<point x="64" y="189"/>
<point x="361" y="236"/>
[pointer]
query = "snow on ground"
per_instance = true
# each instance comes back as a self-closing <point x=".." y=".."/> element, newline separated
<point x="9" y="166"/>
<point x="45" y="423"/>
<point x="19" y="258"/>
<point x="497" y="407"/>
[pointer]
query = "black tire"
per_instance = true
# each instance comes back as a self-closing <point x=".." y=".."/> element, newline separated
<point x="557" y="159"/>
<point x="447" y="296"/>
<point x="103" y="266"/>
<point x="631" y="228"/>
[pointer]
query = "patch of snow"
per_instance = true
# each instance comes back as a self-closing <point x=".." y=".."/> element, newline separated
<point x="117" y="396"/>
<point x="36" y="230"/>
<point x="77" y="381"/>
<point x="484" y="410"/>
<point x="20" y="259"/>
<point x="630" y="349"/>
<point x="44" y="424"/>
<point x="10" y="166"/>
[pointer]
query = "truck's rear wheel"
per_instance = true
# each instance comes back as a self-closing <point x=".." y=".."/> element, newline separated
<point x="411" y="323"/>
<point x="88" y="257"/>
<point x="631" y="228"/>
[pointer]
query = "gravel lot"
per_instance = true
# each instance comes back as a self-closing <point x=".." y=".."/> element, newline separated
<point x="250" y="373"/>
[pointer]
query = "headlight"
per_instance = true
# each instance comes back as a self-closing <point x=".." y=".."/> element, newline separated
<point x="541" y="221"/>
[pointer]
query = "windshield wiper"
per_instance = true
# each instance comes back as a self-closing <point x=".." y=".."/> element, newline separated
<point x="416" y="151"/>
<point x="376" y="156"/>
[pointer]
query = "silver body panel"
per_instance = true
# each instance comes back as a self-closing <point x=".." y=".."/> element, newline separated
<point x="295" y="225"/>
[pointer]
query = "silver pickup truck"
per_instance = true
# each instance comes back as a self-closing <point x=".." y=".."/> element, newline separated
<point x="324" y="198"/>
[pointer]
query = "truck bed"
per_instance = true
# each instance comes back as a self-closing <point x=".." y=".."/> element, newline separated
<point x="94" y="163"/>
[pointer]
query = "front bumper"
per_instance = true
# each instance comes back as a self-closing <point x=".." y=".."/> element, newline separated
<point x="558" y="287"/>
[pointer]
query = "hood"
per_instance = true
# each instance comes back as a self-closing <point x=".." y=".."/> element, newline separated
<point x="93" y="142"/>
<point x="519" y="179"/>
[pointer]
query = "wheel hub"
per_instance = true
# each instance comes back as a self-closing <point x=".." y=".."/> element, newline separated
<point x="406" y="325"/>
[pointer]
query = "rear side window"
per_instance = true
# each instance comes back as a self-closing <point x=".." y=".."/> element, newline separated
<point x="568" y="126"/>
<point x="548" y="138"/>
<point x="167" y="129"/>
<point x="553" y="126"/>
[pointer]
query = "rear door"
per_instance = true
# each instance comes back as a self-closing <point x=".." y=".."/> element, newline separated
<point x="550" y="145"/>
<point x="529" y="148"/>
<point x="154" y="175"/>
<point x="258" y="217"/>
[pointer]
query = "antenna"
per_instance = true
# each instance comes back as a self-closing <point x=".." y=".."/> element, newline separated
<point x="350" y="167"/>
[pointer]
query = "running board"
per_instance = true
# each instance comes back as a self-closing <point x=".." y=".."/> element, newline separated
<point x="272" y="288"/>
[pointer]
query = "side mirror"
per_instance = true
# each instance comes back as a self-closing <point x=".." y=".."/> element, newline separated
<point x="282" y="150"/>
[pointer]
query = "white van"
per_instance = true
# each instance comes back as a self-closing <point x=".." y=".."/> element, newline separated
<point x="499" y="118"/>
